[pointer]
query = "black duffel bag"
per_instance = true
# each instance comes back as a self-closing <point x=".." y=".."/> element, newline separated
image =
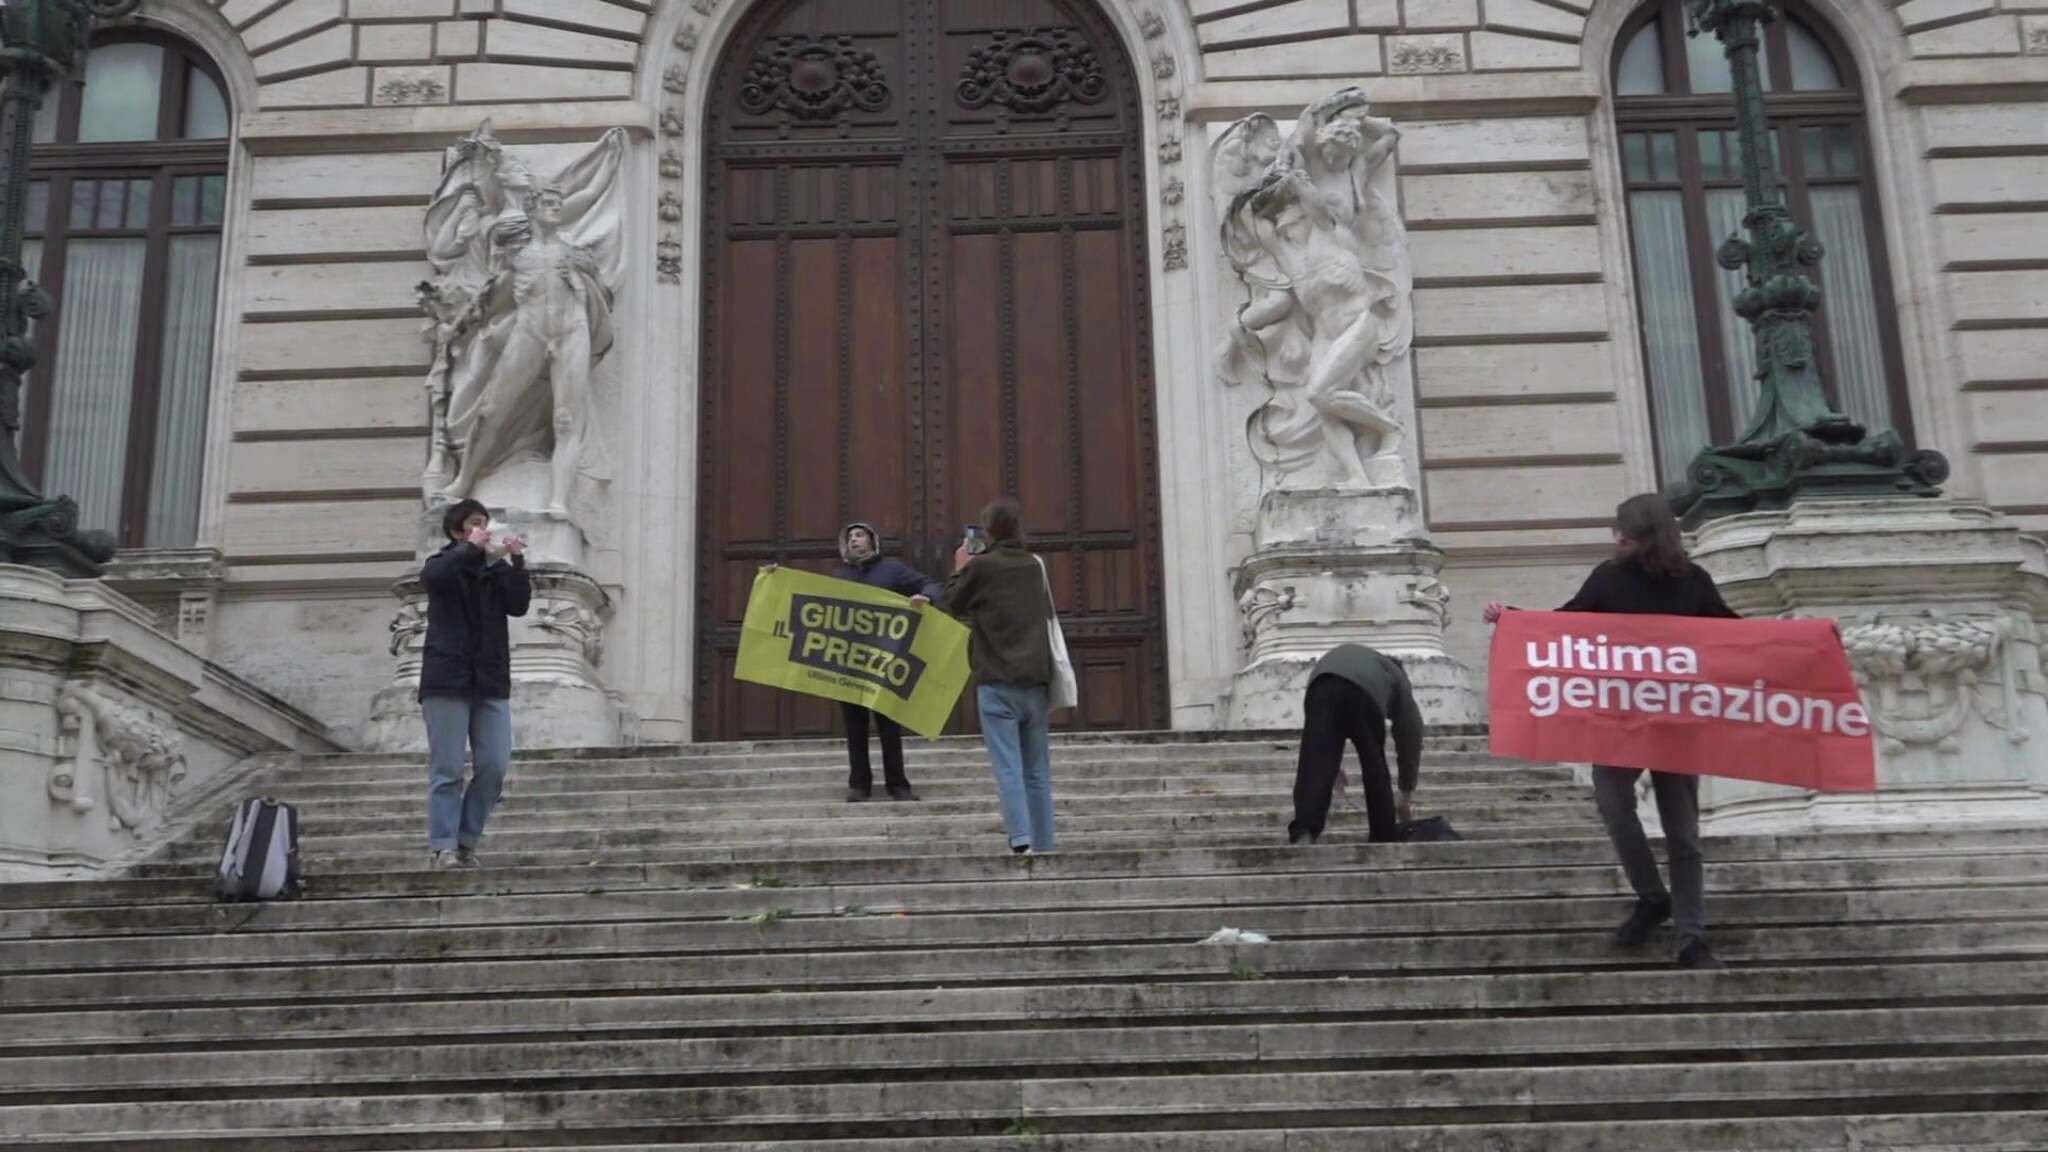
<point x="1431" y="830"/>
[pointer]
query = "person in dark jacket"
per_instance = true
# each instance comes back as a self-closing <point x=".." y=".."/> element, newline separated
<point x="1650" y="574"/>
<point x="861" y="561"/>
<point x="1003" y="596"/>
<point x="1356" y="694"/>
<point x="474" y="584"/>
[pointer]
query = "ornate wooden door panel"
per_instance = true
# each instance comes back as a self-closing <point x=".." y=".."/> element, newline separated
<point x="925" y="287"/>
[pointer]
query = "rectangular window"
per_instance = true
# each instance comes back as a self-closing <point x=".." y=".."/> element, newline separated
<point x="1670" y="329"/>
<point x="92" y="387"/>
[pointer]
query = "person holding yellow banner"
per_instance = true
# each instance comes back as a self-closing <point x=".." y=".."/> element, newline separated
<point x="854" y="644"/>
<point x="861" y="562"/>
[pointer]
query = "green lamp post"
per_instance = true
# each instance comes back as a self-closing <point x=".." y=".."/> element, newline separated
<point x="1796" y="445"/>
<point x="42" y="42"/>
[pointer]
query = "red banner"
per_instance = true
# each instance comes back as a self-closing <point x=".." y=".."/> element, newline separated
<point x="1769" y="700"/>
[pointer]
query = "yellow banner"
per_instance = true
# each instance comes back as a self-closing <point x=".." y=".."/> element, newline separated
<point x="859" y="645"/>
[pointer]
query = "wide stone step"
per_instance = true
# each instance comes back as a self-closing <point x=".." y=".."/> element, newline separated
<point x="858" y="927"/>
<point x="682" y="802"/>
<point x="485" y="1016"/>
<point x="1931" y="1132"/>
<point x="1443" y="894"/>
<point x="824" y="1058"/>
<point x="661" y="969"/>
<point x="901" y="822"/>
<point x="582" y="776"/>
<point x="1675" y="1090"/>
<point x="1988" y="855"/>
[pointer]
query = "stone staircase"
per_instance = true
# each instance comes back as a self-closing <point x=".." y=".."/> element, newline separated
<point x="704" y="948"/>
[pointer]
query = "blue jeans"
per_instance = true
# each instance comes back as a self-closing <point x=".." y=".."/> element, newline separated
<point x="457" y="725"/>
<point x="1013" y="726"/>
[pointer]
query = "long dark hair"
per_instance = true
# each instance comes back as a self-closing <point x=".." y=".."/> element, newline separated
<point x="1649" y="535"/>
<point x="1003" y="520"/>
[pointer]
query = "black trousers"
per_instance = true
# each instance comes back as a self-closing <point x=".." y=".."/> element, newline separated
<point x="1335" y="712"/>
<point x="862" y="774"/>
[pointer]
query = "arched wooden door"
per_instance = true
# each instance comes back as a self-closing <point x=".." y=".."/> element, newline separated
<point x="924" y="287"/>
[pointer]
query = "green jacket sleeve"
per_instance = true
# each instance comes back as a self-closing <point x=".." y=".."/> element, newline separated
<point x="1406" y="717"/>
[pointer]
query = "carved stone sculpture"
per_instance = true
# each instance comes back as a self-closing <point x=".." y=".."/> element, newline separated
<point x="521" y="301"/>
<point x="1924" y="677"/>
<point x="140" y="759"/>
<point x="1329" y="319"/>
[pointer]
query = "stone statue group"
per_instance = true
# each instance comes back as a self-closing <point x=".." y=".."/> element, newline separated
<point x="1324" y="258"/>
<point x="521" y="304"/>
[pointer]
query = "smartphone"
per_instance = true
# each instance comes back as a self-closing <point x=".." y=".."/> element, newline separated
<point x="974" y="541"/>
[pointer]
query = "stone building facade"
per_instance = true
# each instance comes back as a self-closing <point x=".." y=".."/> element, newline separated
<point x="1543" y="379"/>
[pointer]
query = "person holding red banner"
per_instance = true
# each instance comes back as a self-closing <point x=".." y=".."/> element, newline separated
<point x="1650" y="574"/>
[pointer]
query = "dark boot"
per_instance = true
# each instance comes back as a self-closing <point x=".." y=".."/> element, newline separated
<point x="1635" y="931"/>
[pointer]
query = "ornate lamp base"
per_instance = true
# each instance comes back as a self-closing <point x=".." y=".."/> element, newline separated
<point x="45" y="534"/>
<point x="1769" y="477"/>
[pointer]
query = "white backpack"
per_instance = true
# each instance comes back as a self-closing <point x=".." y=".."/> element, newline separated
<point x="261" y="860"/>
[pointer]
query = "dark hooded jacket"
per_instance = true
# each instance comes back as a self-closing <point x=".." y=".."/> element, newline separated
<point x="879" y="571"/>
<point x="469" y="601"/>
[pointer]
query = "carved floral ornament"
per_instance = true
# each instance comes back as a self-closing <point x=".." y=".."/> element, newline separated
<point x="1925" y="676"/>
<point x="1032" y="71"/>
<point x="1261" y="603"/>
<point x="813" y="78"/>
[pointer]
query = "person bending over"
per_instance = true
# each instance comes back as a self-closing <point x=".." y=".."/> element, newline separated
<point x="1355" y="694"/>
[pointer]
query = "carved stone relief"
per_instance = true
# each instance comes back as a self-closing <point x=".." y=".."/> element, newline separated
<point x="1031" y="71"/>
<point x="1175" y="255"/>
<point x="1926" y="677"/>
<point x="138" y="758"/>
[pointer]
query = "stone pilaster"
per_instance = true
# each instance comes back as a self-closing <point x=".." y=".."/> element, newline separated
<point x="1341" y="567"/>
<point x="559" y="699"/>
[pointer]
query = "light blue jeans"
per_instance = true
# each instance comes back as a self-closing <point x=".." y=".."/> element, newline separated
<point x="1014" y="727"/>
<point x="459" y="728"/>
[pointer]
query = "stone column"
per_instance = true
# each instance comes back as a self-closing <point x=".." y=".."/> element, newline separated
<point x="1943" y="607"/>
<point x="1320" y="339"/>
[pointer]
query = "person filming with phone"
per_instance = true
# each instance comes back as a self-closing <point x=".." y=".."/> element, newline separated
<point x="1000" y="591"/>
<point x="475" y="584"/>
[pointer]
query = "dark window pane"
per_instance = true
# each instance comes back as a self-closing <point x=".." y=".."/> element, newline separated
<point x="213" y="199"/>
<point x="1813" y="68"/>
<point x="1641" y="71"/>
<point x="111" y="197"/>
<point x="1664" y="155"/>
<point x="1635" y="156"/>
<point x="123" y="84"/>
<point x="185" y="201"/>
<point x="206" y="109"/>
<point x="1813" y="150"/>
<point x="84" y="196"/>
<point x="46" y="116"/>
<point x="37" y="217"/>
<point x="141" y="195"/>
<point x="1713" y="165"/>
<point x="1842" y="150"/>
